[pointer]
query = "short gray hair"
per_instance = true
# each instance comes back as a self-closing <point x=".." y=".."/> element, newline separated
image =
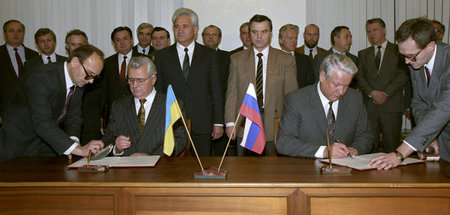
<point x="187" y="12"/>
<point x="286" y="27"/>
<point x="142" y="26"/>
<point x="338" y="61"/>
<point x="137" y="62"/>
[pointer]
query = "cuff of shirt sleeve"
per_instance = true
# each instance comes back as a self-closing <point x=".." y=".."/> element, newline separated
<point x="220" y="125"/>
<point x="72" y="147"/>
<point x="410" y="146"/>
<point x="229" y="124"/>
<point x="117" y="154"/>
<point x="319" y="153"/>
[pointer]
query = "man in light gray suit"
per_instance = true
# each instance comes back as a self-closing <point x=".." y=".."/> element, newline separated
<point x="382" y="74"/>
<point x="429" y="63"/>
<point x="137" y="121"/>
<point x="311" y="111"/>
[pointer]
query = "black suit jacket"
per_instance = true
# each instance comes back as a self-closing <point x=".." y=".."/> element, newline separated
<point x="35" y="61"/>
<point x="201" y="92"/>
<point x="123" y="121"/>
<point x="305" y="75"/>
<point x="320" y="57"/>
<point x="30" y="126"/>
<point x="8" y="76"/>
<point x="223" y="62"/>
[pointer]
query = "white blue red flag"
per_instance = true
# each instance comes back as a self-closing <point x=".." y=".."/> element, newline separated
<point x="254" y="138"/>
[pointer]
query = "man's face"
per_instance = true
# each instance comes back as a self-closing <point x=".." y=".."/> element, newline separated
<point x="123" y="42"/>
<point x="211" y="37"/>
<point x="245" y="37"/>
<point x="260" y="34"/>
<point x="140" y="90"/>
<point x="289" y="41"/>
<point x="93" y="65"/>
<point x="335" y="86"/>
<point x="311" y="36"/>
<point x="414" y="56"/>
<point x="376" y="33"/>
<point x="14" y="34"/>
<point x="160" y="40"/>
<point x="343" y="42"/>
<point x="46" y="44"/>
<point x="74" y="42"/>
<point x="184" y="30"/>
<point x="439" y="35"/>
<point x="145" y="36"/>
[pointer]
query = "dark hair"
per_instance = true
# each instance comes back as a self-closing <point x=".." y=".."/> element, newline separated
<point x="12" y="20"/>
<point x="85" y="51"/>
<point x="76" y="32"/>
<point x="213" y="26"/>
<point x="442" y="27"/>
<point x="420" y="29"/>
<point x="42" y="32"/>
<point x="375" y="20"/>
<point x="161" y="29"/>
<point x="336" y="32"/>
<point x="259" y="18"/>
<point x="121" y="28"/>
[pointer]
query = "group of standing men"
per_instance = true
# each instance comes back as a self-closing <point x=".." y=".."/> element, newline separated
<point x="210" y="85"/>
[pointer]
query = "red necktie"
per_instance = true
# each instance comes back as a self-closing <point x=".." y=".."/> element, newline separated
<point x="123" y="70"/>
<point x="67" y="103"/>
<point x="427" y="72"/>
<point x="19" y="63"/>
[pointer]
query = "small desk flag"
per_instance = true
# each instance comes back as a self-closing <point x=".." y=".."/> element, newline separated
<point x="254" y="138"/>
<point x="173" y="113"/>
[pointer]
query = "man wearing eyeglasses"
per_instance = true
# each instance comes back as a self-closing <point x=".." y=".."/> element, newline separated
<point x="429" y="63"/>
<point x="43" y="117"/>
<point x="144" y="136"/>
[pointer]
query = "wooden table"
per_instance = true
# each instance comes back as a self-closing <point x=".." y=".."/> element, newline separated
<point x="254" y="185"/>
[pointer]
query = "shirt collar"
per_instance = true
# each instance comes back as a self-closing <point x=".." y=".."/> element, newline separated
<point x="430" y="63"/>
<point x="265" y="51"/>
<point x="190" y="46"/>
<point x="148" y="99"/>
<point x="10" y="48"/>
<point x="68" y="80"/>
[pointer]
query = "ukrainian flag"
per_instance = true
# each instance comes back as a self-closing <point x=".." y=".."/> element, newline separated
<point x="173" y="113"/>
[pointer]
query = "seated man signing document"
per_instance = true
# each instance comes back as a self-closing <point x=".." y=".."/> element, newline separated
<point x="328" y="105"/>
<point x="136" y="124"/>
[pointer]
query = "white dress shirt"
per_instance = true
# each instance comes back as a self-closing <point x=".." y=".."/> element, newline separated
<point x="12" y="55"/>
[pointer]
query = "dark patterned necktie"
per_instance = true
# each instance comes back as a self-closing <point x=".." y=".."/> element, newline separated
<point x="49" y="60"/>
<point x="123" y="71"/>
<point x="331" y="120"/>
<point x="378" y="58"/>
<point x="310" y="54"/>
<point x="141" y="116"/>
<point x="19" y="63"/>
<point x="259" y="81"/>
<point x="67" y="103"/>
<point x="186" y="66"/>
<point x="427" y="72"/>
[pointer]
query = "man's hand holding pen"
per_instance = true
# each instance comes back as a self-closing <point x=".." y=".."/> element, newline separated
<point x="340" y="150"/>
<point x="93" y="146"/>
<point x="122" y="143"/>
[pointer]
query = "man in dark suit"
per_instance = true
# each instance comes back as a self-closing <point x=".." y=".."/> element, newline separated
<point x="245" y="38"/>
<point x="45" y="40"/>
<point x="429" y="64"/>
<point x="74" y="39"/>
<point x="326" y="106"/>
<point x="43" y="116"/>
<point x="212" y="36"/>
<point x="311" y="38"/>
<point x="160" y="38"/>
<point x="192" y="70"/>
<point x="382" y="75"/>
<point x="11" y="61"/>
<point x="131" y="134"/>
<point x="341" y="40"/>
<point x="144" y="35"/>
<point x="275" y="78"/>
<point x="287" y="37"/>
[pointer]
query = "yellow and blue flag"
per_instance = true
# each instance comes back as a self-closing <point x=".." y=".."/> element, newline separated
<point x="173" y="113"/>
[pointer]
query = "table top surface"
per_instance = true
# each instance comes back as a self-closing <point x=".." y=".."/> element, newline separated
<point x="241" y="171"/>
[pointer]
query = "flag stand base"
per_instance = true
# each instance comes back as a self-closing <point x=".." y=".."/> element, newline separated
<point x="211" y="173"/>
<point x="326" y="170"/>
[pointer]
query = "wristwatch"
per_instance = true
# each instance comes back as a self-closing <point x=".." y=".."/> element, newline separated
<point x="399" y="156"/>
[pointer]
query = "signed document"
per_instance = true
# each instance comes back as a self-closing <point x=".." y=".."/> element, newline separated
<point x="361" y="162"/>
<point x="138" y="161"/>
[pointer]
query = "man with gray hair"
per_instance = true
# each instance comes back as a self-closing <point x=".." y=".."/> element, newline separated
<point x="74" y="39"/>
<point x="145" y="135"/>
<point x="192" y="71"/>
<point x="326" y="106"/>
<point x="287" y="37"/>
<point x="144" y="35"/>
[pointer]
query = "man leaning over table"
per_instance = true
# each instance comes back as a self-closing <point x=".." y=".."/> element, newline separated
<point x="429" y="64"/>
<point x="308" y="116"/>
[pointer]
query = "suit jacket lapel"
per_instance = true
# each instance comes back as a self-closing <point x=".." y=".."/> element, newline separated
<point x="318" y="111"/>
<point x="175" y="59"/>
<point x="131" y="119"/>
<point x="249" y="64"/>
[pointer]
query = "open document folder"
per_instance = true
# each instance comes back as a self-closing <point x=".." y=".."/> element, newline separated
<point x="361" y="162"/>
<point x="144" y="161"/>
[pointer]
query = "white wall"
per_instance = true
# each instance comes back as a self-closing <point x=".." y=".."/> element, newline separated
<point x="99" y="17"/>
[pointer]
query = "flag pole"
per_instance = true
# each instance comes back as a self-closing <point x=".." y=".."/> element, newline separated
<point x="229" y="140"/>
<point x="193" y="145"/>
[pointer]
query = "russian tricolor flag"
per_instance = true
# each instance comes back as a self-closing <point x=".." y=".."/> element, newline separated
<point x="254" y="138"/>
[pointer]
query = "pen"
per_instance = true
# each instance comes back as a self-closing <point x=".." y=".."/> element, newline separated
<point x="348" y="154"/>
